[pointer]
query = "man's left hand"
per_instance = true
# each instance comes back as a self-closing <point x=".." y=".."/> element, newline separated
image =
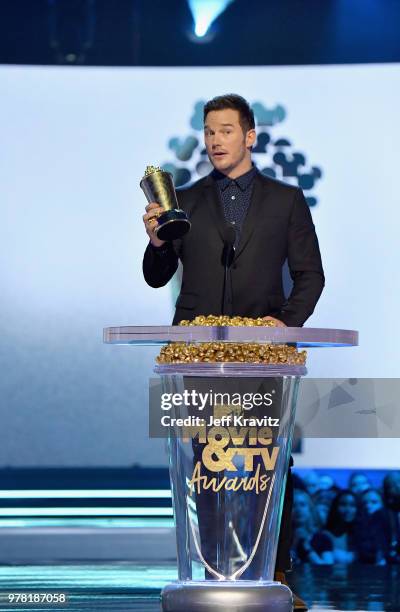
<point x="277" y="322"/>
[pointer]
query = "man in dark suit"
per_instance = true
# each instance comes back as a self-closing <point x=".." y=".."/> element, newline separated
<point x="272" y="224"/>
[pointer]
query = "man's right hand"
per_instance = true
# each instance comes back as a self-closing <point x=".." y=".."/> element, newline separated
<point x="153" y="210"/>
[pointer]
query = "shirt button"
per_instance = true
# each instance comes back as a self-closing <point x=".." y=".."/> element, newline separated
<point x="233" y="198"/>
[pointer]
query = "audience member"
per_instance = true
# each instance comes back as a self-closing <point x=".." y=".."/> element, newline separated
<point x="359" y="483"/>
<point x="323" y="501"/>
<point x="372" y="533"/>
<point x="340" y="525"/>
<point x="310" y="544"/>
<point x="311" y="482"/>
<point x="391" y="495"/>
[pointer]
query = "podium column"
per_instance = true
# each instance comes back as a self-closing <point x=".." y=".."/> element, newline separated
<point x="228" y="464"/>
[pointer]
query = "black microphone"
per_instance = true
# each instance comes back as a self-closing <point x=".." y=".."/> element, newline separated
<point x="228" y="253"/>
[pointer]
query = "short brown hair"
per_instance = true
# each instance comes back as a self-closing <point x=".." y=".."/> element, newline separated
<point x="236" y="102"/>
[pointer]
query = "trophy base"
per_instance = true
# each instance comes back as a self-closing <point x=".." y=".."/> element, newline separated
<point x="239" y="596"/>
<point x="172" y="224"/>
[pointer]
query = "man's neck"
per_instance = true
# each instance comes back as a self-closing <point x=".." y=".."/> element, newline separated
<point x="239" y="170"/>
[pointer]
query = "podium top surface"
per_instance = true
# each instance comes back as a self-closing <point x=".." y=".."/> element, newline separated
<point x="163" y="334"/>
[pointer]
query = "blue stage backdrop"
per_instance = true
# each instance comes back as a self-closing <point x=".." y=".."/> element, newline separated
<point x="74" y="145"/>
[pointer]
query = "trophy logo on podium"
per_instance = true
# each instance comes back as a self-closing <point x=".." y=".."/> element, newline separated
<point x="158" y="186"/>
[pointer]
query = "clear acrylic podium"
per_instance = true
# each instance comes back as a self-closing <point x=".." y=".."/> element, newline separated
<point x="228" y="468"/>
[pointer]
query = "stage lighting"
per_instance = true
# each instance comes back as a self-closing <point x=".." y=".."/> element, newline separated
<point x="71" y="29"/>
<point x="204" y="14"/>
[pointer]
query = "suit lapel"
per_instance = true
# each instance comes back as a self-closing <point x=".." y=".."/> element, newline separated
<point x="253" y="214"/>
<point x="212" y="198"/>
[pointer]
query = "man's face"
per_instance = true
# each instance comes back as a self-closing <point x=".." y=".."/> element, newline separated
<point x="227" y="146"/>
<point x="372" y="502"/>
<point x="359" y="483"/>
<point x="347" y="508"/>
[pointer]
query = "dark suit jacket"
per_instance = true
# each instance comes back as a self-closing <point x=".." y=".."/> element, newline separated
<point x="278" y="226"/>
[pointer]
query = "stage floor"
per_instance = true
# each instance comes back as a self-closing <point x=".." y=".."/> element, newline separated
<point x="136" y="587"/>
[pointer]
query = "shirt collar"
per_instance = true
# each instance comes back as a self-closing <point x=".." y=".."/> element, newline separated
<point x="244" y="181"/>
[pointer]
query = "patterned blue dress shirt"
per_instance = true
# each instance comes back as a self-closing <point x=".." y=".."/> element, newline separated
<point x="235" y="196"/>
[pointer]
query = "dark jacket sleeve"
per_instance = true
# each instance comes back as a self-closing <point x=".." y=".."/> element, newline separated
<point x="305" y="265"/>
<point x="160" y="263"/>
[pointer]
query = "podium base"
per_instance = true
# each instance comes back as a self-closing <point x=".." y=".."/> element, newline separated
<point x="239" y="596"/>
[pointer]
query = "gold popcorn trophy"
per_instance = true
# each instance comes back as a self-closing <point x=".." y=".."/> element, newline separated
<point x="158" y="186"/>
